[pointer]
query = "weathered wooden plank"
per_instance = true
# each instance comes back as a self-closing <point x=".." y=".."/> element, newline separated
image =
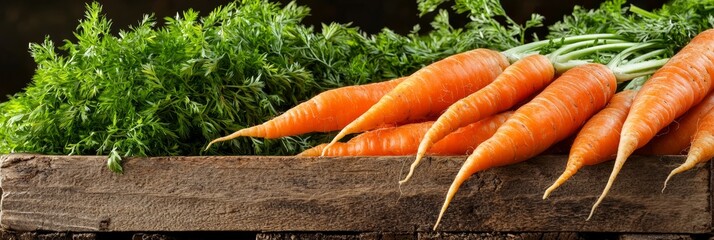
<point x="655" y="237"/>
<point x="9" y="235"/>
<point x="335" y="236"/>
<point x="500" y="236"/>
<point x="236" y="193"/>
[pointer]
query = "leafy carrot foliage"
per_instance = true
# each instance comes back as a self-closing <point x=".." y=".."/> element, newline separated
<point x="168" y="90"/>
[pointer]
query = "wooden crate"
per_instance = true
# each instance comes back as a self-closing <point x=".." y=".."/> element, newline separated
<point x="348" y="194"/>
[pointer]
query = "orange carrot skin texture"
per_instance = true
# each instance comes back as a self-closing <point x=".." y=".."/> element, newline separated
<point x="432" y="89"/>
<point x="671" y="91"/>
<point x="597" y="141"/>
<point x="554" y="114"/>
<point x="465" y="139"/>
<point x="404" y="140"/>
<point x="328" y="111"/>
<point x="678" y="135"/>
<point x="702" y="149"/>
<point x="517" y="82"/>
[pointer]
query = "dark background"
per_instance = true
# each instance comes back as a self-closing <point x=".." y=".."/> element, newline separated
<point x="24" y="22"/>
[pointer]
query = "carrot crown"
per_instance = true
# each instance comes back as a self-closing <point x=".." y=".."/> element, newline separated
<point x="568" y="52"/>
<point x="516" y="53"/>
<point x="639" y="66"/>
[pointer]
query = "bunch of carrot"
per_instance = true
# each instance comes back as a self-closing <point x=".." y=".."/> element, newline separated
<point x="506" y="107"/>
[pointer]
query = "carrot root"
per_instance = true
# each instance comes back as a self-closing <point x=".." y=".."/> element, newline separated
<point x="553" y="115"/>
<point x="628" y="144"/>
<point x="517" y="82"/>
<point x="460" y="178"/>
<point x="570" y="170"/>
<point x="431" y="90"/>
<point x="420" y="154"/>
<point x="226" y="138"/>
<point x="597" y="140"/>
<point x="701" y="150"/>
<point x="688" y="164"/>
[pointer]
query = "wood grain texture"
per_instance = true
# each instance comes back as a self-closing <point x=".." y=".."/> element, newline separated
<point x="240" y="193"/>
<point x="655" y="237"/>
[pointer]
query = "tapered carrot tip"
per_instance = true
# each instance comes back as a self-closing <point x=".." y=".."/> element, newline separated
<point x="460" y="178"/>
<point x="312" y="152"/>
<point x="339" y="136"/>
<point x="570" y="170"/>
<point x="419" y="156"/>
<point x="226" y="138"/>
<point x="627" y="146"/>
<point x="215" y="141"/>
<point x="688" y="164"/>
<point x="449" y="197"/>
<point x="328" y="146"/>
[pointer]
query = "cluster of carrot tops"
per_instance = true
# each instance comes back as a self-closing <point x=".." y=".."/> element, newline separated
<point x="505" y="107"/>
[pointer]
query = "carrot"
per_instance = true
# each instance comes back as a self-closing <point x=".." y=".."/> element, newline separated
<point x="554" y="114"/>
<point x="519" y="81"/>
<point x="430" y="90"/>
<point x="403" y="140"/>
<point x="702" y="148"/>
<point x="597" y="141"/>
<point x="322" y="113"/>
<point x="673" y="89"/>
<point x="675" y="138"/>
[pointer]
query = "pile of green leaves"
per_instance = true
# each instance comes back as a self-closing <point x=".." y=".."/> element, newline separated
<point x="151" y="91"/>
<point x="674" y="23"/>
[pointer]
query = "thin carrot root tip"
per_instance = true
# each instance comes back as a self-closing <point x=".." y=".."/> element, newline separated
<point x="592" y="211"/>
<point x="441" y="214"/>
<point x="555" y="185"/>
<point x="419" y="156"/>
<point x="682" y="168"/>
<point x="667" y="180"/>
<point x="324" y="150"/>
<point x="676" y="171"/>
<point x="570" y="170"/>
<point x="339" y="136"/>
<point x="226" y="138"/>
<point x="626" y="147"/>
<point x="211" y="143"/>
<point x="549" y="190"/>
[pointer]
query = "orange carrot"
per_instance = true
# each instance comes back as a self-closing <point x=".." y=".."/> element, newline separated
<point x="325" y="112"/>
<point x="430" y="90"/>
<point x="519" y="81"/>
<point x="673" y="89"/>
<point x="597" y="141"/>
<point x="702" y="148"/>
<point x="554" y="114"/>
<point x="675" y="138"/>
<point x="403" y="140"/>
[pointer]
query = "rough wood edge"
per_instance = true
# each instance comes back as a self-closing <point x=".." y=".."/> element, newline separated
<point x="10" y="160"/>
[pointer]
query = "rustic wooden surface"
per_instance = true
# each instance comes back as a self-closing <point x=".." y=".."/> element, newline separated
<point x="78" y="193"/>
<point x="9" y="235"/>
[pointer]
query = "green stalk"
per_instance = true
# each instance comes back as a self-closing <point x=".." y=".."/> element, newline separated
<point x="637" y="67"/>
<point x="587" y="51"/>
<point x="516" y="53"/>
<point x="648" y="55"/>
<point x="642" y="12"/>
<point x="566" y="57"/>
<point x="555" y="55"/>
<point x="622" y="56"/>
<point x="630" y="71"/>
